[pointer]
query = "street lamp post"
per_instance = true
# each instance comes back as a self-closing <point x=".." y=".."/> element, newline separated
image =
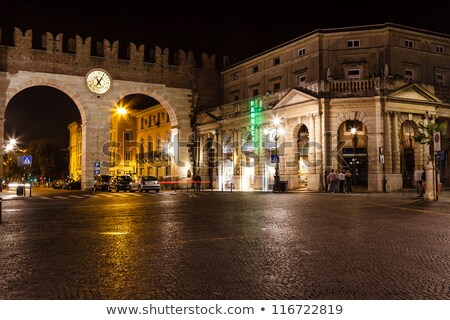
<point x="276" y="183"/>
<point x="354" y="143"/>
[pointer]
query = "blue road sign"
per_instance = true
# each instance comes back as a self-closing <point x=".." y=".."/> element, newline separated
<point x="96" y="171"/>
<point x="97" y="164"/>
<point x="274" y="158"/>
<point x="27" y="160"/>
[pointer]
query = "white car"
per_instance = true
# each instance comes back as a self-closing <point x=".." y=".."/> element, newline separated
<point x="145" y="183"/>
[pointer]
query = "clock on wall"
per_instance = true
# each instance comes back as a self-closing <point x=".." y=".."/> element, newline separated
<point x="98" y="81"/>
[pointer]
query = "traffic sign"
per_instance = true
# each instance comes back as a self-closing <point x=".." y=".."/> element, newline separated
<point x="274" y="158"/>
<point x="437" y="141"/>
<point x="27" y="160"/>
<point x="96" y="167"/>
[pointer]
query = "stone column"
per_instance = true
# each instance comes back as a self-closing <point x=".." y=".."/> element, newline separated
<point x="319" y="145"/>
<point x="217" y="154"/>
<point x="312" y="140"/>
<point x="396" y="169"/>
<point x="387" y="144"/>
<point x="430" y="177"/>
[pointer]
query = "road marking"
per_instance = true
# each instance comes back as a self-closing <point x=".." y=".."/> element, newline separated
<point x="106" y="195"/>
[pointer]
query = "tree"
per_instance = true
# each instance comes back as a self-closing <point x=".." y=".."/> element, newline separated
<point x="10" y="168"/>
<point x="49" y="160"/>
<point x="427" y="132"/>
<point x="426" y="136"/>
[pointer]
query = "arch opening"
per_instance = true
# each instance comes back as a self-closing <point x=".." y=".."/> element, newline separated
<point x="38" y="119"/>
<point x="352" y="151"/>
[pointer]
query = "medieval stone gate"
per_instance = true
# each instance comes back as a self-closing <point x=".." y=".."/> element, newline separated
<point x="174" y="81"/>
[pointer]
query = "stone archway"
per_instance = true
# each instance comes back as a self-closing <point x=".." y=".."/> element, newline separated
<point x="303" y="155"/>
<point x="409" y="152"/>
<point x="96" y="113"/>
<point x="353" y="151"/>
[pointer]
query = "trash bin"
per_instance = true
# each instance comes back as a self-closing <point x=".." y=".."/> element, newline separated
<point x="20" y="190"/>
<point x="283" y="186"/>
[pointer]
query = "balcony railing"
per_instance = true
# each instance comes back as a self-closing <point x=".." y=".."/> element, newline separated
<point x="243" y="107"/>
<point x="152" y="157"/>
<point x="443" y="93"/>
<point x="354" y="86"/>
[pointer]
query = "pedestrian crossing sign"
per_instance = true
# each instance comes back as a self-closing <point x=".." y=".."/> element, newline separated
<point x="27" y="160"/>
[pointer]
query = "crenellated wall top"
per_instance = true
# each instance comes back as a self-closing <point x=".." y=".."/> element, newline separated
<point x="85" y="49"/>
<point x="76" y="56"/>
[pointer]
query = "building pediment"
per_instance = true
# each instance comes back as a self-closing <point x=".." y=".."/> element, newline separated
<point x="294" y="97"/>
<point x="205" y="118"/>
<point x="414" y="92"/>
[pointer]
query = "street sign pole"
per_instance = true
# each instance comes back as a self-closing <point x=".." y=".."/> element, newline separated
<point x="381" y="158"/>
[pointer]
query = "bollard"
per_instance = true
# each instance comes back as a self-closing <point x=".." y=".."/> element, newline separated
<point x="0" y="210"/>
<point x="232" y="186"/>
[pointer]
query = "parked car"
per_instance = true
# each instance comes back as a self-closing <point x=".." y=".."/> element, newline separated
<point x="120" y="183"/>
<point x="73" y="185"/>
<point x="145" y="183"/>
<point x="59" y="184"/>
<point x="101" y="182"/>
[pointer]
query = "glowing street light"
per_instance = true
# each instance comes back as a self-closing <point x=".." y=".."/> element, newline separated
<point x="276" y="184"/>
<point x="11" y="144"/>
<point x="121" y="110"/>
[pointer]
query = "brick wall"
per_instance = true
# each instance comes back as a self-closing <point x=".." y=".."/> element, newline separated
<point x="179" y="70"/>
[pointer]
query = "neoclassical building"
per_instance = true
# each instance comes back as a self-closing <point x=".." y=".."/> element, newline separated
<point x="347" y="98"/>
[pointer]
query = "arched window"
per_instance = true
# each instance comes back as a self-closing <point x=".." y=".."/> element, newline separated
<point x="149" y="144"/>
<point x="158" y="142"/>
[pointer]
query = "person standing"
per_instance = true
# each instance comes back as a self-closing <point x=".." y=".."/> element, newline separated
<point x="422" y="180"/>
<point x="333" y="180"/>
<point x="418" y="180"/>
<point x="341" y="177"/>
<point x="197" y="182"/>
<point x="348" y="181"/>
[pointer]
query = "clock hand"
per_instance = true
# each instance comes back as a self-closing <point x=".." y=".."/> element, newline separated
<point x="99" y="81"/>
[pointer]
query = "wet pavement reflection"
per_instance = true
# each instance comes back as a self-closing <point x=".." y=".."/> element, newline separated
<point x="214" y="245"/>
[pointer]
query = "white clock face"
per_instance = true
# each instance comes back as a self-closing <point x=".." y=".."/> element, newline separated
<point x="98" y="81"/>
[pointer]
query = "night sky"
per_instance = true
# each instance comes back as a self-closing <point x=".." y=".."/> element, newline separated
<point x="237" y="29"/>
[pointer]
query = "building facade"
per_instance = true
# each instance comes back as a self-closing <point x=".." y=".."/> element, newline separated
<point x="140" y="144"/>
<point x="348" y="98"/>
<point x="74" y="149"/>
<point x="122" y="143"/>
<point x="180" y="81"/>
<point x="153" y="136"/>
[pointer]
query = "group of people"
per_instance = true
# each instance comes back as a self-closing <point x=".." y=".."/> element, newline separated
<point x="419" y="178"/>
<point x="338" y="182"/>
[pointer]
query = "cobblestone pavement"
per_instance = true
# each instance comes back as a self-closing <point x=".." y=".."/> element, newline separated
<point x="219" y="245"/>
